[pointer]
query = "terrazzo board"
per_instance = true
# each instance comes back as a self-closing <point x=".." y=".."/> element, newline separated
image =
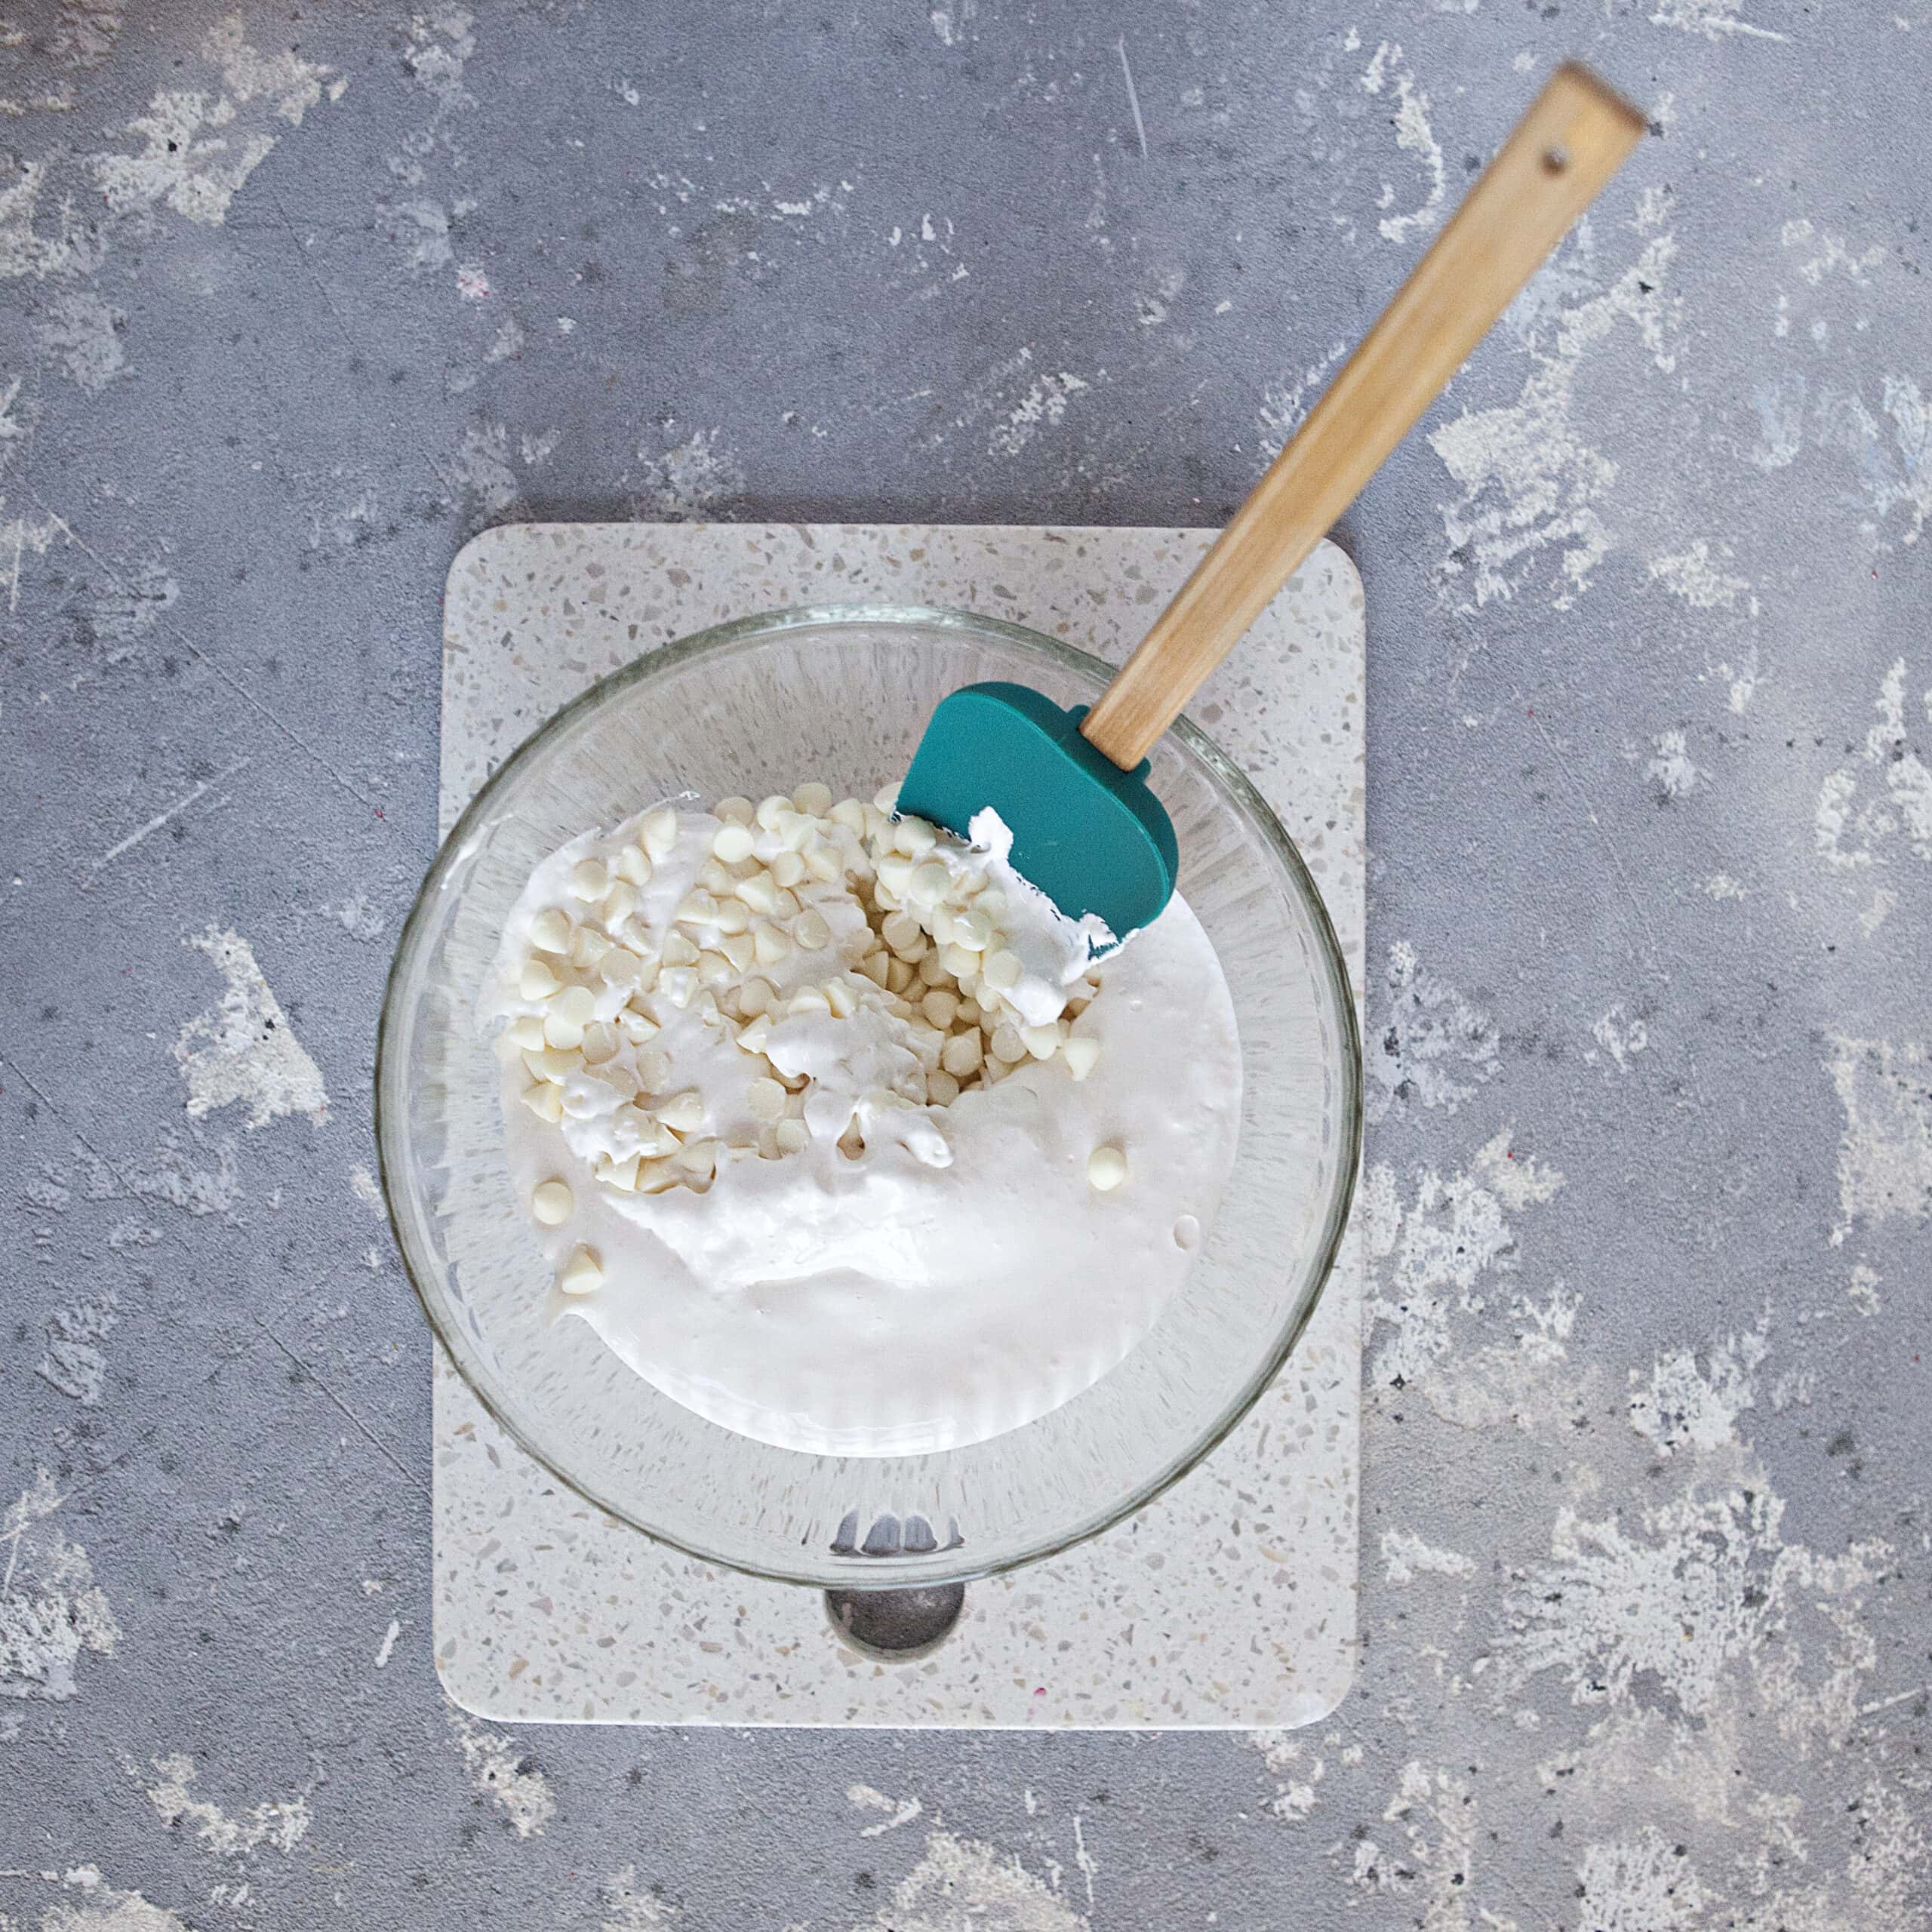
<point x="1229" y="1601"/>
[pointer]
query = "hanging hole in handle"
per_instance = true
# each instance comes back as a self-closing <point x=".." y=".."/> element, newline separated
<point x="1556" y="160"/>
<point x="896" y="1626"/>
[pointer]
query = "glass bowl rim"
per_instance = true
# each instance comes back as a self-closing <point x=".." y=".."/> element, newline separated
<point x="389" y="1079"/>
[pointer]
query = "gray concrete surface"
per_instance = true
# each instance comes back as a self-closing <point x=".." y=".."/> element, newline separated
<point x="295" y="300"/>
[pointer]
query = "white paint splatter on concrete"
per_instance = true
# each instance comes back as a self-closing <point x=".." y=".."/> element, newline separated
<point x="692" y="480"/>
<point x="1427" y="1260"/>
<point x="1405" y="1556"/>
<point x="1834" y="256"/>
<point x="357" y="916"/>
<point x="1285" y="405"/>
<point x="1691" y="575"/>
<point x="51" y="1610"/>
<point x="1721" y="885"/>
<point x="1891" y="466"/>
<point x="1296" y="1769"/>
<point x="37" y="245"/>
<point x="1414" y="136"/>
<point x="73" y="1362"/>
<point x="91" y="1904"/>
<point x="1640" y="1884"/>
<point x="498" y="1769"/>
<point x="1885" y="1150"/>
<point x="628" y="1908"/>
<point x="386" y="1647"/>
<point x="82" y="334"/>
<point x="1863" y="1288"/>
<point x="280" y="1824"/>
<point x="1683" y="1404"/>
<point x="198" y="148"/>
<point x="289" y="85"/>
<point x="243" y="1048"/>
<point x="1671" y="769"/>
<point x="1622" y="1034"/>
<point x="962" y="1885"/>
<point x="1042" y="407"/>
<point x="1433" y="1872"/>
<point x="1433" y="1047"/>
<point x="420" y="227"/>
<point x="481" y="469"/>
<point x="1695" y="1588"/>
<point x="1531" y="482"/>
<point x="1714" y="19"/>
<point x="901" y="1812"/>
<point x="1882" y="796"/>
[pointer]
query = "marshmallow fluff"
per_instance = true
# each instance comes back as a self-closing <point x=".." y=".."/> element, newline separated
<point x="837" y="1132"/>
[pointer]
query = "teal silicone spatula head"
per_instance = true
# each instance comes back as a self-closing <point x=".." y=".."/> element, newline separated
<point x="1093" y="838"/>
<point x="1072" y="785"/>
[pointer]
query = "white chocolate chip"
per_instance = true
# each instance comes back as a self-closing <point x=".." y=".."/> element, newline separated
<point x="1001" y="970"/>
<point x="619" y="903"/>
<point x="550" y="930"/>
<point x="788" y="869"/>
<point x="733" y="842"/>
<point x="1042" y="1042"/>
<point x="940" y="1007"/>
<point x="961" y="1055"/>
<point x="633" y="867"/>
<point x="697" y="908"/>
<point x="537" y="981"/>
<point x="600" y="1042"/>
<point x="810" y="930"/>
<point x="527" y="1031"/>
<point x="794" y="828"/>
<point x="850" y="814"/>
<point x="620" y="968"/>
<point x="546" y="1100"/>
<point x="679" y="949"/>
<point x="637" y="1027"/>
<point x="915" y="837"/>
<point x="841" y="998"/>
<point x="886" y="799"/>
<point x="658" y="833"/>
<point x="552" y="1064"/>
<point x="764" y="1099"/>
<point x="1007" y="1045"/>
<point x="678" y="984"/>
<point x="653" y="1069"/>
<point x="577" y="1005"/>
<point x="809" y="1000"/>
<point x="698" y="1156"/>
<point x="561" y="1031"/>
<point x="734" y="916"/>
<point x="752" y="1035"/>
<point x="587" y="949"/>
<point x="740" y="948"/>
<point x="733" y="811"/>
<point x="582" y="1273"/>
<point x="590" y="880"/>
<point x="551" y="1201"/>
<point x="760" y="891"/>
<point x="716" y="879"/>
<point x="876" y="969"/>
<point x="769" y="808"/>
<point x="713" y="968"/>
<point x="1080" y="1053"/>
<point x="813" y="799"/>
<point x="793" y="1136"/>
<point x="755" y="997"/>
<point x="621" y="1174"/>
<point x="972" y="929"/>
<point x="895" y="872"/>
<point x="927" y="884"/>
<point x="941" y="1089"/>
<point x="1106" y="1168"/>
<point x="684" y="1111"/>
<point x="769" y="944"/>
<point x="823" y="862"/>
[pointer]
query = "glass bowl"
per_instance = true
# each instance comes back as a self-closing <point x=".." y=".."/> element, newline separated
<point x="842" y="693"/>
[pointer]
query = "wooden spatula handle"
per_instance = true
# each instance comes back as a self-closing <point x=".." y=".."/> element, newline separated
<point x="1574" y="137"/>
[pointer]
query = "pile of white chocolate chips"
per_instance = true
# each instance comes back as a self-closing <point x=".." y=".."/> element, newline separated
<point x="796" y="909"/>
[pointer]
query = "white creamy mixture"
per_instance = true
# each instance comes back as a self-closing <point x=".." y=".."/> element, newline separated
<point x="835" y="1130"/>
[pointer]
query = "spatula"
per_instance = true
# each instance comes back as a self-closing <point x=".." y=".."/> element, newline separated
<point x="1071" y="784"/>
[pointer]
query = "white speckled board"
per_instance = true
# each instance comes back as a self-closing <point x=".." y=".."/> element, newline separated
<point x="1230" y="1601"/>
